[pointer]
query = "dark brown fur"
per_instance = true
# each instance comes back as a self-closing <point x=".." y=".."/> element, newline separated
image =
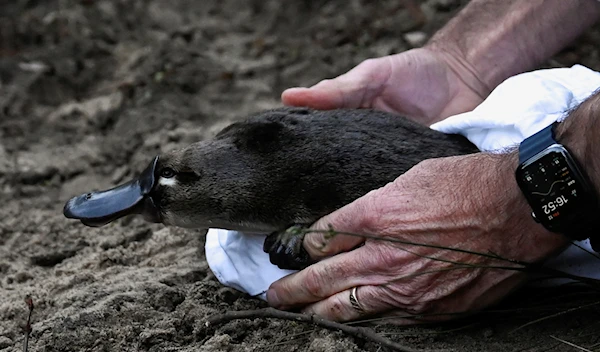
<point x="294" y="165"/>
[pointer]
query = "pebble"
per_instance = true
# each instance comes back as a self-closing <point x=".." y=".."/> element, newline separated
<point x="23" y="276"/>
<point x="217" y="343"/>
<point x="228" y="295"/>
<point x="415" y="39"/>
<point x="5" y="342"/>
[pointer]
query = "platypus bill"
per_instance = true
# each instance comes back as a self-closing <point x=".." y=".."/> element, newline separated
<point x="276" y="170"/>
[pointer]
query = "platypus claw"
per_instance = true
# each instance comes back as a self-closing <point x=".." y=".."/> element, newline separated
<point x="286" y="250"/>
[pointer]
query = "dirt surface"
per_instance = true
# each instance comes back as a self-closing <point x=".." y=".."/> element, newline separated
<point x="91" y="90"/>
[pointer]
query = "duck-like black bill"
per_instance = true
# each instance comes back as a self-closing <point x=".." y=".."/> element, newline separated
<point x="100" y="208"/>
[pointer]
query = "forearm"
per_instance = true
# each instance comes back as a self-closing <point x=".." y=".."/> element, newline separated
<point x="491" y="40"/>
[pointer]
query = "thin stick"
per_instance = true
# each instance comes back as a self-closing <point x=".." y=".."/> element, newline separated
<point x="571" y="344"/>
<point x="332" y="232"/>
<point x="294" y="337"/>
<point x="360" y="332"/>
<point x="27" y="327"/>
<point x="554" y="315"/>
<point x="526" y="267"/>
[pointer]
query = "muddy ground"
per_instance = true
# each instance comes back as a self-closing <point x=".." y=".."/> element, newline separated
<point x="91" y="90"/>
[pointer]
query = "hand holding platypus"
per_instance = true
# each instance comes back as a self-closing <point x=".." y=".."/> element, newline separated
<point x="292" y="166"/>
<point x="276" y="169"/>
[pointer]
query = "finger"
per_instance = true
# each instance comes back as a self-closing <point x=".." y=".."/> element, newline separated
<point x="368" y="301"/>
<point x="312" y="284"/>
<point x="372" y="302"/>
<point x="330" y="276"/>
<point x="351" y="218"/>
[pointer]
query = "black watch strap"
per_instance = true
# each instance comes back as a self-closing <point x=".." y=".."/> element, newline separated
<point x="527" y="150"/>
<point x="536" y="143"/>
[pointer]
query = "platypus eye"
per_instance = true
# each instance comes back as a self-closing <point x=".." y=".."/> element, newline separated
<point x="167" y="172"/>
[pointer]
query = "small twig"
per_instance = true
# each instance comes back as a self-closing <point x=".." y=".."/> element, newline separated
<point x="525" y="266"/>
<point x="292" y="338"/>
<point x="441" y="332"/>
<point x="554" y="315"/>
<point x="571" y="344"/>
<point x="360" y="332"/>
<point x="27" y="328"/>
<point x="596" y="344"/>
<point x="332" y="232"/>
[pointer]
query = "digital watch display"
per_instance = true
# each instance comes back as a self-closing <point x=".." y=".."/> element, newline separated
<point x="554" y="188"/>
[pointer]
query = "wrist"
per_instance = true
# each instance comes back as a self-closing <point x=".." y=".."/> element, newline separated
<point x="467" y="75"/>
<point x="579" y="133"/>
<point x="558" y="174"/>
<point x="527" y="240"/>
<point x="538" y="242"/>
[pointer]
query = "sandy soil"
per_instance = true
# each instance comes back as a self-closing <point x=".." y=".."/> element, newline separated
<point x="91" y="90"/>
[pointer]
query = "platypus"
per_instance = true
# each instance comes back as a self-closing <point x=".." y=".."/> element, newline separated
<point x="275" y="170"/>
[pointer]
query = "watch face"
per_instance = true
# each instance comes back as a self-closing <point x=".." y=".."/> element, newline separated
<point x="554" y="187"/>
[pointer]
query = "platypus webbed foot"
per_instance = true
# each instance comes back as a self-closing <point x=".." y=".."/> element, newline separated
<point x="285" y="248"/>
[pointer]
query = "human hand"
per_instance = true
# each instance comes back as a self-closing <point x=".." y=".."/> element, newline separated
<point x="425" y="84"/>
<point x="467" y="202"/>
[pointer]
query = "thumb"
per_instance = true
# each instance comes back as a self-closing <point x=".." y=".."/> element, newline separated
<point x="352" y="218"/>
<point x="354" y="89"/>
<point x="325" y="95"/>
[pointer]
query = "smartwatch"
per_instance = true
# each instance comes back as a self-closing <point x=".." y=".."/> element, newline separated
<point x="555" y="186"/>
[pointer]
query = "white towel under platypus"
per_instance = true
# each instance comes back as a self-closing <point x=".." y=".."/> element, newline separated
<point x="516" y="109"/>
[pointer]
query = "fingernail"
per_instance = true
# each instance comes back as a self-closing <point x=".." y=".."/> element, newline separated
<point x="272" y="298"/>
<point x="295" y="89"/>
<point x="292" y="92"/>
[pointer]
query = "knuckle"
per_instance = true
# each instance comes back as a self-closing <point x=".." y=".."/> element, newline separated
<point x="281" y="288"/>
<point x="314" y="283"/>
<point x="321" y="244"/>
<point x="316" y="244"/>
<point x="384" y="260"/>
<point x="334" y="238"/>
<point x="324" y="83"/>
<point x="341" y="243"/>
<point x="371" y="211"/>
<point x="386" y="256"/>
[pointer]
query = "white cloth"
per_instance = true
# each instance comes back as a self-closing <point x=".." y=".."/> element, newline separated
<point x="516" y="109"/>
<point x="523" y="105"/>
